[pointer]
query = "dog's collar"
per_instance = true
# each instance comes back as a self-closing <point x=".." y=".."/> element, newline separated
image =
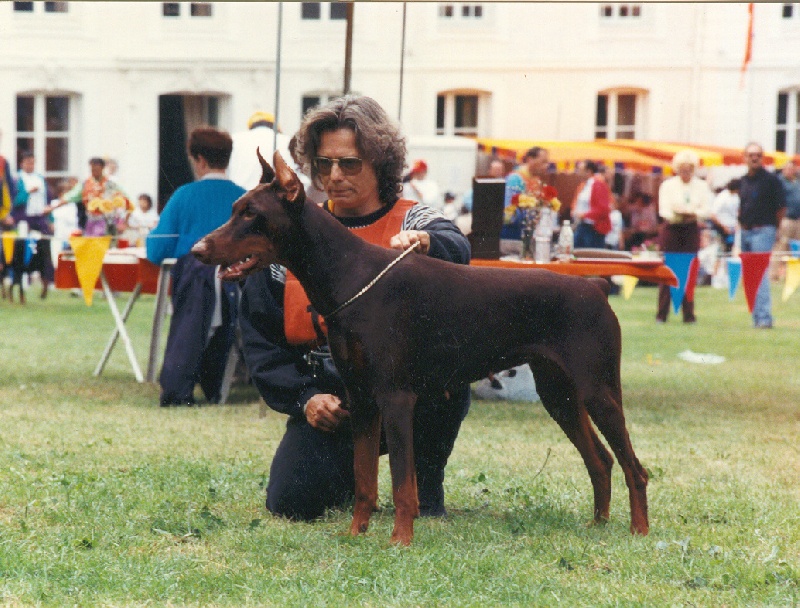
<point x="369" y="285"/>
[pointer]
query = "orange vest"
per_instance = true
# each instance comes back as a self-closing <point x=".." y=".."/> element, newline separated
<point x="301" y="323"/>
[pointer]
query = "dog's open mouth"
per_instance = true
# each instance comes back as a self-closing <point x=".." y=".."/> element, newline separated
<point x="239" y="270"/>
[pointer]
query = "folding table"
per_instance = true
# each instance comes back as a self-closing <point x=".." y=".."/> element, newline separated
<point x="124" y="271"/>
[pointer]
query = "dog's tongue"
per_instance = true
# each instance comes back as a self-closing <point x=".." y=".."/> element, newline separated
<point x="238" y="270"/>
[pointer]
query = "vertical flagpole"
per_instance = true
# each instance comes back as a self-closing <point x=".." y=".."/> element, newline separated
<point x="277" y="78"/>
<point x="348" y="49"/>
<point x="402" y="65"/>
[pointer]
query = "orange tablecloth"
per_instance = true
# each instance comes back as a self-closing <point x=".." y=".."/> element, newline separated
<point x="649" y="270"/>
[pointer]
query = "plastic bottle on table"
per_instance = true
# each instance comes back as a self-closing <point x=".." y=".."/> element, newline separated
<point x="565" y="242"/>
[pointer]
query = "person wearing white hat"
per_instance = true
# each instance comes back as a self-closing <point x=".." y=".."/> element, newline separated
<point x="682" y="201"/>
<point x="244" y="168"/>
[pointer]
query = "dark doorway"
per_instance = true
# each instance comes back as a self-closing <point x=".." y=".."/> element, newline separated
<point x="174" y="169"/>
<point x="178" y="115"/>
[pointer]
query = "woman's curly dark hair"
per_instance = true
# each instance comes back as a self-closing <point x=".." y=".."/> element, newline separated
<point x="378" y="139"/>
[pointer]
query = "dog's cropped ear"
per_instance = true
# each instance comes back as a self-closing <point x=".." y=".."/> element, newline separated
<point x="288" y="181"/>
<point x="267" y="174"/>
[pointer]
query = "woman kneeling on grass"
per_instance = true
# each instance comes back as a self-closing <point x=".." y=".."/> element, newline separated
<point x="356" y="155"/>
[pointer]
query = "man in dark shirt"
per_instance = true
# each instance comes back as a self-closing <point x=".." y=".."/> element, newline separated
<point x="761" y="209"/>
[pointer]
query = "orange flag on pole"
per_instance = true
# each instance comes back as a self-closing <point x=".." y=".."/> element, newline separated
<point x="89" y="254"/>
<point x="748" y="45"/>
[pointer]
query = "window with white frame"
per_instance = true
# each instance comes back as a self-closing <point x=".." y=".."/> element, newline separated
<point x="47" y="7"/>
<point x="179" y="9"/>
<point x="787" y="124"/>
<point x="336" y="11"/>
<point x="617" y="115"/>
<point x="451" y="11"/>
<point x="45" y="127"/>
<point x="622" y="12"/>
<point x="461" y="113"/>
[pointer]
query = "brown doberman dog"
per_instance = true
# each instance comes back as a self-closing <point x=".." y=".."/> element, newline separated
<point x="425" y="326"/>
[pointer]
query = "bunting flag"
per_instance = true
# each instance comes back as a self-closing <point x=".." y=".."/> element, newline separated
<point x="628" y="284"/>
<point x="794" y="248"/>
<point x="748" y="45"/>
<point x="754" y="265"/>
<point x="691" y="280"/>
<point x="89" y="254"/>
<point x="30" y="250"/>
<point x="734" y="274"/>
<point x="680" y="264"/>
<point x="8" y="247"/>
<point x="792" y="278"/>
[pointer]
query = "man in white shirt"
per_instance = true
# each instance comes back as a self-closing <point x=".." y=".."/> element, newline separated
<point x="725" y="217"/>
<point x="421" y="188"/>
<point x="244" y="168"/>
<point x="31" y="189"/>
<point x="32" y="206"/>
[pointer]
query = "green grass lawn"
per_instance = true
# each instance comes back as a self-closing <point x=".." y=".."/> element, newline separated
<point x="106" y="499"/>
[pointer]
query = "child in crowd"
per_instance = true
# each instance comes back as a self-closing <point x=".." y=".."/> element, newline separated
<point x="142" y="219"/>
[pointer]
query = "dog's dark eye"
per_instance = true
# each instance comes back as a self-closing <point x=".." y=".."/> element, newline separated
<point x="248" y="214"/>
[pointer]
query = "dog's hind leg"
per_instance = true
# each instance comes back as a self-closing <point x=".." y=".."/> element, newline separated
<point x="560" y="398"/>
<point x="397" y="408"/>
<point x="606" y="412"/>
<point x="366" y="448"/>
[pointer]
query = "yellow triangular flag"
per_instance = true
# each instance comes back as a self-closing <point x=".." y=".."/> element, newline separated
<point x="8" y="247"/>
<point x="89" y="254"/>
<point x="792" y="278"/>
<point x="628" y="283"/>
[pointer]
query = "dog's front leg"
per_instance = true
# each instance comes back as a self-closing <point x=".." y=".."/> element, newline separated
<point x="398" y="421"/>
<point x="367" y="444"/>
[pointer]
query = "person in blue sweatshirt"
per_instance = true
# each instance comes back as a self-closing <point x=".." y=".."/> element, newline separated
<point x="204" y="309"/>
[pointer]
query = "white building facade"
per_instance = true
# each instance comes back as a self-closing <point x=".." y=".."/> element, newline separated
<point x="127" y="80"/>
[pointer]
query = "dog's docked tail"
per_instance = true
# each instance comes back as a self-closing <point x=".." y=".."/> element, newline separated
<point x="603" y="284"/>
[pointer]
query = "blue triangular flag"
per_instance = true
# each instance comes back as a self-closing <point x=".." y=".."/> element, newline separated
<point x="679" y="263"/>
<point x="794" y="247"/>
<point x="30" y="250"/>
<point x="734" y="274"/>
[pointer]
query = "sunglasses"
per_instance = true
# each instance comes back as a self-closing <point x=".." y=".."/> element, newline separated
<point x="348" y="165"/>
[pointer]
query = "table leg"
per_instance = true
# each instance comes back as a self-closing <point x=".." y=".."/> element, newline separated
<point x="112" y="341"/>
<point x="112" y="304"/>
<point x="162" y="293"/>
<point x="230" y="370"/>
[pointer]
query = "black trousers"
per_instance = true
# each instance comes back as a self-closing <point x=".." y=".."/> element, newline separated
<point x="678" y="238"/>
<point x="313" y="470"/>
<point x="190" y="356"/>
<point x="40" y="258"/>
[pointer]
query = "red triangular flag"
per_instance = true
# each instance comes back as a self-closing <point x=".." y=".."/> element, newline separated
<point x="754" y="265"/>
<point x="691" y="280"/>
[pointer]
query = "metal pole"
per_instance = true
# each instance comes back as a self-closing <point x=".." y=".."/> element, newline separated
<point x="277" y="78"/>
<point x="348" y="49"/>
<point x="402" y="65"/>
